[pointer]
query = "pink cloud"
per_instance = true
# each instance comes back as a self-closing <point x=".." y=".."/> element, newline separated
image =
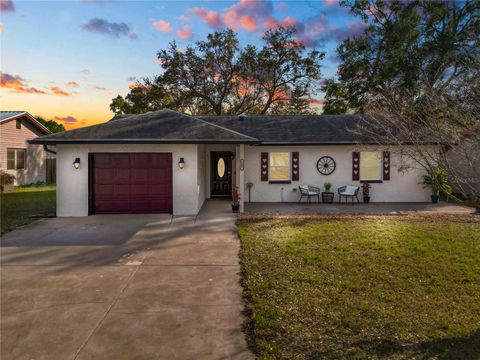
<point x="248" y="14"/>
<point x="330" y="2"/>
<point x="231" y="19"/>
<point x="7" y="6"/>
<point x="289" y="21"/>
<point x="163" y="26"/>
<point x="57" y="91"/>
<point x="72" y="84"/>
<point x="66" y="119"/>
<point x="185" y="33"/>
<point x="17" y="84"/>
<point x="249" y="22"/>
<point x="210" y="17"/>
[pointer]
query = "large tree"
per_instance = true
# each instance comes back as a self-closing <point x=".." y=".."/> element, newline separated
<point x="406" y="44"/>
<point x="218" y="76"/>
<point x="52" y="125"/>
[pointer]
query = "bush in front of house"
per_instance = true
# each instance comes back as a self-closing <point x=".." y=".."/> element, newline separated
<point x="6" y="180"/>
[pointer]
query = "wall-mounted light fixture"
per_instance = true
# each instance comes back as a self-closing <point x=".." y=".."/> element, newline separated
<point x="76" y="163"/>
<point x="181" y="163"/>
<point x="242" y="164"/>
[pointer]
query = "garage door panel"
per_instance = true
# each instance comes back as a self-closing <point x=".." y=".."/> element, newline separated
<point x="104" y="190"/>
<point x="141" y="190"/>
<point x="120" y="160"/>
<point x="104" y="175"/>
<point x="103" y="161"/>
<point x="121" y="175"/>
<point x="142" y="161"/>
<point x="132" y="183"/>
<point x="141" y="175"/>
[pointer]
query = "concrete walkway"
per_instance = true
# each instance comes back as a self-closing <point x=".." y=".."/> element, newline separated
<point x="123" y="287"/>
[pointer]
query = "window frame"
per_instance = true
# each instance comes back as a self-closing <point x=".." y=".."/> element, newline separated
<point x="380" y="167"/>
<point x="15" y="158"/>
<point x="288" y="168"/>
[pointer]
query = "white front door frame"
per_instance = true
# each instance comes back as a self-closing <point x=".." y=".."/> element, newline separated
<point x="240" y="171"/>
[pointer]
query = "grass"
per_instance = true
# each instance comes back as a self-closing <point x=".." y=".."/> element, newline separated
<point x="362" y="287"/>
<point x="20" y="206"/>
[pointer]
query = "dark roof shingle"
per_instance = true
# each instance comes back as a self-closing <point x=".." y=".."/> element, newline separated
<point x="167" y="126"/>
<point x="293" y="129"/>
<point x="162" y="126"/>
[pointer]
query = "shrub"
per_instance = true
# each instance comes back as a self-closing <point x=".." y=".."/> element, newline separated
<point x="6" y="179"/>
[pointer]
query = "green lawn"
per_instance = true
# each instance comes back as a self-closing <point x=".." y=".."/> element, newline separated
<point x="18" y="207"/>
<point x="362" y="287"/>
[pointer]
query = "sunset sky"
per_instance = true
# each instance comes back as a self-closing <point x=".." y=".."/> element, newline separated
<point x="66" y="60"/>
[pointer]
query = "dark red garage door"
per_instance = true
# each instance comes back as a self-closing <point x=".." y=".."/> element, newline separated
<point x="131" y="183"/>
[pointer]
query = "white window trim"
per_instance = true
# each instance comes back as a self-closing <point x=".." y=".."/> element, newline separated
<point x="288" y="166"/>
<point x="15" y="158"/>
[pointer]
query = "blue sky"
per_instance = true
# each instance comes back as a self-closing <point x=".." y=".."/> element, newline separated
<point x="66" y="60"/>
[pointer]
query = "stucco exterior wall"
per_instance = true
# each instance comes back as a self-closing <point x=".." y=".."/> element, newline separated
<point x="201" y="178"/>
<point x="72" y="184"/>
<point x="11" y="137"/>
<point x="401" y="188"/>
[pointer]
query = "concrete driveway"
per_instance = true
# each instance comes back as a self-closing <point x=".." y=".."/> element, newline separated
<point x="123" y="287"/>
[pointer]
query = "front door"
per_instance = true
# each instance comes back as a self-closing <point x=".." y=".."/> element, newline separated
<point x="221" y="174"/>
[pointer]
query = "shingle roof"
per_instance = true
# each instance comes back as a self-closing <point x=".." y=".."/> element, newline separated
<point x="294" y="129"/>
<point x="162" y="126"/>
<point x="10" y="115"/>
<point x="5" y="115"/>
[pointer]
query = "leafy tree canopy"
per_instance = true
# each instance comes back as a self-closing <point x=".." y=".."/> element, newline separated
<point x="406" y="45"/>
<point x="218" y="76"/>
<point x="51" y="124"/>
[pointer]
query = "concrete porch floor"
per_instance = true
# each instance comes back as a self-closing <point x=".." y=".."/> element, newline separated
<point x="361" y="208"/>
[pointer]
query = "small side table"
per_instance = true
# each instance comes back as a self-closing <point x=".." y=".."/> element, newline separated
<point x="327" y="197"/>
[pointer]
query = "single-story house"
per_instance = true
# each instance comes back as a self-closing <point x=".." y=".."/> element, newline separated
<point x="164" y="161"/>
<point x="29" y="163"/>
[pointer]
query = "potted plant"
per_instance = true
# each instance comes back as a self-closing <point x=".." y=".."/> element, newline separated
<point x="366" y="192"/>
<point x="436" y="180"/>
<point x="235" y="200"/>
<point x="327" y="195"/>
<point x="6" y="181"/>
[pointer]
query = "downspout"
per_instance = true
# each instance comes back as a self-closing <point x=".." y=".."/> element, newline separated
<point x="45" y="147"/>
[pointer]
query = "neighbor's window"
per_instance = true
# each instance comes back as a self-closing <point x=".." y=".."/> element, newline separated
<point x="279" y="166"/>
<point x="370" y="165"/>
<point x="16" y="159"/>
<point x="19" y="124"/>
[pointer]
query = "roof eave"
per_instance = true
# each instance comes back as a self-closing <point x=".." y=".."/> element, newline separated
<point x="304" y="143"/>
<point x="142" y="141"/>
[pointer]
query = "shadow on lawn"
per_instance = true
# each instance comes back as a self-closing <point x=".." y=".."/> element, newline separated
<point x="465" y="348"/>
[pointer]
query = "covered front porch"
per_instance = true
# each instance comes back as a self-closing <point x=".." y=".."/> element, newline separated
<point x="224" y="170"/>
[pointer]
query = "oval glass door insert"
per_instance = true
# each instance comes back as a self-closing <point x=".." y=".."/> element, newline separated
<point x="221" y="168"/>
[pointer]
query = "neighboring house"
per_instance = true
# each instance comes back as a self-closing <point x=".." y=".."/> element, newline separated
<point x="164" y="161"/>
<point x="27" y="162"/>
